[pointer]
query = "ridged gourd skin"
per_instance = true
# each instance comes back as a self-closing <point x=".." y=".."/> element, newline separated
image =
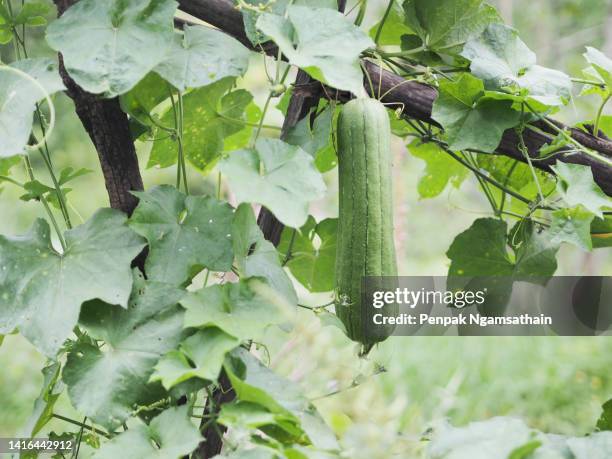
<point x="365" y="244"/>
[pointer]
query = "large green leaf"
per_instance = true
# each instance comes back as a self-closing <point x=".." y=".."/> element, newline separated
<point x="445" y="25"/>
<point x="170" y="435"/>
<point x="42" y="289"/>
<point x="257" y="257"/>
<point x="441" y="169"/>
<point x="482" y="250"/>
<point x="199" y="356"/>
<point x="105" y="383"/>
<point x="311" y="253"/>
<point x="503" y="61"/>
<point x="471" y="120"/>
<point x="289" y="181"/>
<point x="109" y="46"/>
<point x="596" y="446"/>
<point x="496" y="437"/>
<point x="211" y="115"/>
<point x="577" y="187"/>
<point x="185" y="233"/>
<point x="250" y="15"/>
<point x="323" y="42"/>
<point x="238" y="309"/>
<point x="18" y="97"/>
<point x="202" y="56"/>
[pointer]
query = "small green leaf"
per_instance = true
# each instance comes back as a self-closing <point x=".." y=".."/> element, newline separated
<point x="202" y="56"/>
<point x="140" y="101"/>
<point x="312" y="257"/>
<point x="169" y="436"/>
<point x="316" y="140"/>
<point x="236" y="308"/>
<point x="211" y="115"/>
<point x="288" y="183"/>
<point x="577" y="187"/>
<point x="393" y="28"/>
<point x="33" y="14"/>
<point x="43" y="405"/>
<point x="42" y="289"/>
<point x="441" y="169"/>
<point x="572" y="225"/>
<point x="323" y="42"/>
<point x="6" y="34"/>
<point x="445" y="25"/>
<point x="18" y="96"/>
<point x="199" y="356"/>
<point x="246" y="415"/>
<point x="98" y="41"/>
<point x="105" y="383"/>
<point x="185" y="233"/>
<point x="470" y="120"/>
<point x="601" y="64"/>
<point x="68" y="174"/>
<point x="257" y="257"/>
<point x="535" y="254"/>
<point x="35" y="190"/>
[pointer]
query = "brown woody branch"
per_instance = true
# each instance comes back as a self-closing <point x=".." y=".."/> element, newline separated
<point x="416" y="99"/>
<point x="108" y="128"/>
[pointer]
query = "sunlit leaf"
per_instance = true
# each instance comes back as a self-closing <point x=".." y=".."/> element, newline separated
<point x="327" y="44"/>
<point x="211" y="115"/>
<point x="98" y="41"/>
<point x="287" y="183"/>
<point x="311" y="253"/>
<point x="441" y="169"/>
<point x="202" y="56"/>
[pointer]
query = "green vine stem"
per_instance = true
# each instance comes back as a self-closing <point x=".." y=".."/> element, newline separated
<point x="382" y="22"/>
<point x="46" y="155"/>
<point x="80" y="424"/>
<point x="43" y="200"/>
<point x="599" y="115"/>
<point x="246" y="123"/>
<point x="570" y="139"/>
